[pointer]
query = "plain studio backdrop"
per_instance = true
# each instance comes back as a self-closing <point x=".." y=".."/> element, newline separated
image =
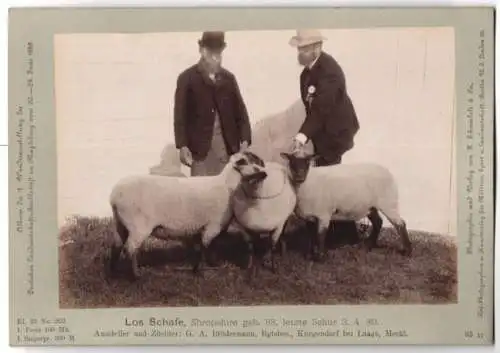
<point x="115" y="99"/>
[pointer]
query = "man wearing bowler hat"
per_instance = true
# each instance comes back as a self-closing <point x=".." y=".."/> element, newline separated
<point x="331" y="122"/>
<point x="210" y="117"/>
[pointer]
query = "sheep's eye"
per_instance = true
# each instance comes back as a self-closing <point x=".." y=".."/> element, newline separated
<point x="253" y="158"/>
<point x="257" y="160"/>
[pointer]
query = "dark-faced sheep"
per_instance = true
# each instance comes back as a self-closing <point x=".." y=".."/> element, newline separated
<point x="345" y="192"/>
<point x="182" y="206"/>
<point x="262" y="205"/>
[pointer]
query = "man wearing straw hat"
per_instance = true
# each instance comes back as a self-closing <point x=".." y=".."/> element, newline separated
<point x="331" y="122"/>
<point x="210" y="117"/>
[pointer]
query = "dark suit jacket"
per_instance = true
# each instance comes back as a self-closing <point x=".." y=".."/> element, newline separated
<point x="331" y="120"/>
<point x="197" y="98"/>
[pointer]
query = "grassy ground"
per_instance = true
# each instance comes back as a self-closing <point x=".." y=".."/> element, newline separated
<point x="350" y="275"/>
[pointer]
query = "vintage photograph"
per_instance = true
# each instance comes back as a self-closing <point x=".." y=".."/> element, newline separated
<point x="265" y="167"/>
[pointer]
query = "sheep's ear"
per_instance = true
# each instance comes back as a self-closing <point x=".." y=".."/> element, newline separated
<point x="285" y="155"/>
<point x="237" y="167"/>
<point x="314" y="157"/>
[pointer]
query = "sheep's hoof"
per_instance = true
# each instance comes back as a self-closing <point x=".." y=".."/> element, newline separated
<point x="196" y="270"/>
<point x="353" y="240"/>
<point x="369" y="247"/>
<point x="213" y="260"/>
<point x="320" y="258"/>
<point x="371" y="244"/>
<point x="406" y="252"/>
<point x="133" y="276"/>
<point x="249" y="262"/>
<point x="110" y="269"/>
<point x="273" y="268"/>
<point x="251" y="273"/>
<point x="309" y="268"/>
<point x="132" y="273"/>
<point x="198" y="275"/>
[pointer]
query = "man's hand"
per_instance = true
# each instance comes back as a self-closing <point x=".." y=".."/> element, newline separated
<point x="243" y="146"/>
<point x="299" y="141"/>
<point x="186" y="156"/>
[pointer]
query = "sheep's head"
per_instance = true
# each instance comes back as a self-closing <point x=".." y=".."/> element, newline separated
<point x="299" y="162"/>
<point x="250" y="166"/>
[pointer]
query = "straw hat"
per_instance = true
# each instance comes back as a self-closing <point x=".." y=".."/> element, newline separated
<point x="306" y="37"/>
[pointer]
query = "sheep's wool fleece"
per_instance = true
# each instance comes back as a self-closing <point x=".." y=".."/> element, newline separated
<point x="275" y="201"/>
<point x="182" y="205"/>
<point x="349" y="189"/>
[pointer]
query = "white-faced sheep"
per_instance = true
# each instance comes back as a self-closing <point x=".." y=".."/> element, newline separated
<point x="263" y="204"/>
<point x="182" y="206"/>
<point x="345" y="192"/>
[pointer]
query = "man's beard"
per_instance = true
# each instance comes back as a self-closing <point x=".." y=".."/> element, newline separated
<point x="212" y="67"/>
<point x="305" y="59"/>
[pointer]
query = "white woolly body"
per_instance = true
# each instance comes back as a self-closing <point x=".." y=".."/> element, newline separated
<point x="347" y="192"/>
<point x="270" y="204"/>
<point x="183" y="206"/>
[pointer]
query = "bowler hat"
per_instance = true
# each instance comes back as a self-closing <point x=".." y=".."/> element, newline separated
<point x="212" y="40"/>
<point x="306" y="37"/>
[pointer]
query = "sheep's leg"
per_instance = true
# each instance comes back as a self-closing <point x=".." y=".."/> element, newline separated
<point x="376" y="222"/>
<point x="253" y="266"/>
<point x="249" y="242"/>
<point x="116" y="250"/>
<point x="323" y="225"/>
<point x="400" y="226"/>
<point x="132" y="246"/>
<point x="405" y="238"/>
<point x="264" y="241"/>
<point x="207" y="236"/>
<point x="311" y="235"/>
<point x="120" y="238"/>
<point x="275" y="237"/>
<point x="283" y="249"/>
<point x="198" y="253"/>
<point x="212" y="257"/>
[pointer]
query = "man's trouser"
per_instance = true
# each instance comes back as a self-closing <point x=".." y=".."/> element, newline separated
<point x="217" y="156"/>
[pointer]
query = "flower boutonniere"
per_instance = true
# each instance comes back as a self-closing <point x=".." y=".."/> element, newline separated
<point x="310" y="92"/>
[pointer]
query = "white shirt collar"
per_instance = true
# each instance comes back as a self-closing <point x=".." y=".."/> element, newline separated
<point x="312" y="64"/>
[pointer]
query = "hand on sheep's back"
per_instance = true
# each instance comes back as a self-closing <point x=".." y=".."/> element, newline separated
<point x="186" y="156"/>
<point x="243" y="146"/>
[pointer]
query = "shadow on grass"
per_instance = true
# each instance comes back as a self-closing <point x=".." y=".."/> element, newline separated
<point x="228" y="248"/>
<point x="350" y="274"/>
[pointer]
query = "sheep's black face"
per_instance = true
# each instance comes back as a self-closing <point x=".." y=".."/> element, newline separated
<point x="254" y="159"/>
<point x="251" y="170"/>
<point x="299" y="166"/>
<point x="255" y="178"/>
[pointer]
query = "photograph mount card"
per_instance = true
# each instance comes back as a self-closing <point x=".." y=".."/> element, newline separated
<point x="251" y="176"/>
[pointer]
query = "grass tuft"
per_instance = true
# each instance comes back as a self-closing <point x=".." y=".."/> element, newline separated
<point x="350" y="275"/>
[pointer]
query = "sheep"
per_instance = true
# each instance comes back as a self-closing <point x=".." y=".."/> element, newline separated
<point x="345" y="192"/>
<point x="186" y="207"/>
<point x="263" y="204"/>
